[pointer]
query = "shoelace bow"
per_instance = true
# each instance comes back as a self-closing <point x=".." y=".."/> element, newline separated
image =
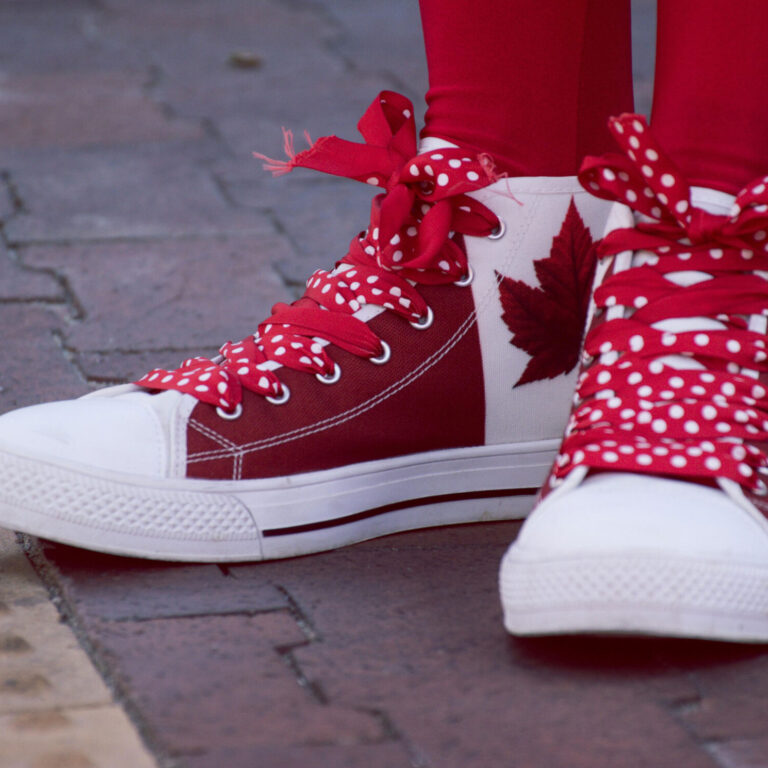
<point x="634" y="412"/>
<point x="414" y="236"/>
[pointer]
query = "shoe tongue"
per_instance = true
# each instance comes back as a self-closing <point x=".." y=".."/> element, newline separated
<point x="431" y="143"/>
<point x="427" y="144"/>
<point x="711" y="200"/>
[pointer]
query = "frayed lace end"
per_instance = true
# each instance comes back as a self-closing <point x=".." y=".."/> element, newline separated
<point x="281" y="167"/>
<point x="489" y="166"/>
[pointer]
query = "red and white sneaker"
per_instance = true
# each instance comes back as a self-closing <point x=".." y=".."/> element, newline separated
<point x="654" y="519"/>
<point x="424" y="380"/>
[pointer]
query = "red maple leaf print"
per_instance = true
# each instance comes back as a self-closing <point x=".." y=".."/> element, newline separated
<point x="548" y="322"/>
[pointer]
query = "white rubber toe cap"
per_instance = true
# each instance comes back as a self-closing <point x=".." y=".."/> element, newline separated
<point x="123" y="432"/>
<point x="621" y="513"/>
<point x="626" y="553"/>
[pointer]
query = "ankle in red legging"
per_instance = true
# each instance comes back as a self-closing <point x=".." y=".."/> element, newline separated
<point x="531" y="83"/>
<point x="710" y="104"/>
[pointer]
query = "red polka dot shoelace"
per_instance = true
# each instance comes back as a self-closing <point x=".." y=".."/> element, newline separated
<point x="414" y="236"/>
<point x="674" y="375"/>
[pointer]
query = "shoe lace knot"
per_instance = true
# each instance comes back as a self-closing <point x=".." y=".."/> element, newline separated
<point x="415" y="235"/>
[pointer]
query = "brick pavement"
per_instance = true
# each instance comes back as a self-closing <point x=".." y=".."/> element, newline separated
<point x="135" y="230"/>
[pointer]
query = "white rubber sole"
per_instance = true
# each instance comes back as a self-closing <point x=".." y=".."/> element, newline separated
<point x="227" y="520"/>
<point x="635" y="593"/>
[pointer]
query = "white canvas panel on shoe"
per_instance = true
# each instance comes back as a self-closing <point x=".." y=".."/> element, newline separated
<point x="533" y="211"/>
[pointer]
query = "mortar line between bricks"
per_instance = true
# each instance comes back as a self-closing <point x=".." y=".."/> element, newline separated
<point x="70" y="355"/>
<point x="417" y="758"/>
<point x="69" y="242"/>
<point x="46" y="573"/>
<point x="306" y="625"/>
<point x="316" y="690"/>
<point x="212" y="131"/>
<point x="13" y="193"/>
<point x="36" y="301"/>
<point x="201" y="615"/>
<point x="221" y="186"/>
<point x="333" y="47"/>
<point x="312" y="687"/>
<point x="144" y="350"/>
<point x="678" y="710"/>
<point x="280" y="229"/>
<point x="69" y="297"/>
<point x="155" y="78"/>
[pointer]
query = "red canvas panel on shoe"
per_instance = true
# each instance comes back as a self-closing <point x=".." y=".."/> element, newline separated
<point x="428" y="396"/>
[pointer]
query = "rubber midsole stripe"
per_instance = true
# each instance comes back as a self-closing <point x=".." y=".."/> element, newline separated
<point x="502" y="492"/>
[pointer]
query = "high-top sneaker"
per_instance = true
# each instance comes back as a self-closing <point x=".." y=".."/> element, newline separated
<point x="654" y="517"/>
<point x="424" y="380"/>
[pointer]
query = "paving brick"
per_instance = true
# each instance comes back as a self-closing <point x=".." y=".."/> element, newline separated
<point x="119" y="367"/>
<point x="387" y="755"/>
<point x="225" y="675"/>
<point x="34" y="365"/>
<point x="194" y="39"/>
<point x="148" y="190"/>
<point x="410" y="625"/>
<point x="72" y="738"/>
<point x="119" y="588"/>
<point x="732" y="704"/>
<point x="319" y="216"/>
<point x="17" y="283"/>
<point x="275" y="88"/>
<point x="91" y="108"/>
<point x="320" y="105"/>
<point x="190" y="44"/>
<point x="384" y="38"/>
<point x="47" y="35"/>
<point x="167" y="294"/>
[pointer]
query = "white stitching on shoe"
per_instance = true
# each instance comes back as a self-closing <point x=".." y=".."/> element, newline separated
<point x="328" y="423"/>
<point x="213" y="435"/>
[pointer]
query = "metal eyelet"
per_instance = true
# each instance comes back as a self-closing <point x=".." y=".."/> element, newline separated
<point x="386" y="353"/>
<point x="230" y="415"/>
<point x="283" y="397"/>
<point x="330" y="378"/>
<point x="499" y="231"/>
<point x="463" y="282"/>
<point x="423" y="322"/>
<point x="427" y="188"/>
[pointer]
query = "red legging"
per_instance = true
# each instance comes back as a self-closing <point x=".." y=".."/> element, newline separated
<point x="532" y="82"/>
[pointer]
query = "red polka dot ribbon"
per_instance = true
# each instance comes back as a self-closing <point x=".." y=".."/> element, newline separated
<point x="414" y="236"/>
<point x="675" y="379"/>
